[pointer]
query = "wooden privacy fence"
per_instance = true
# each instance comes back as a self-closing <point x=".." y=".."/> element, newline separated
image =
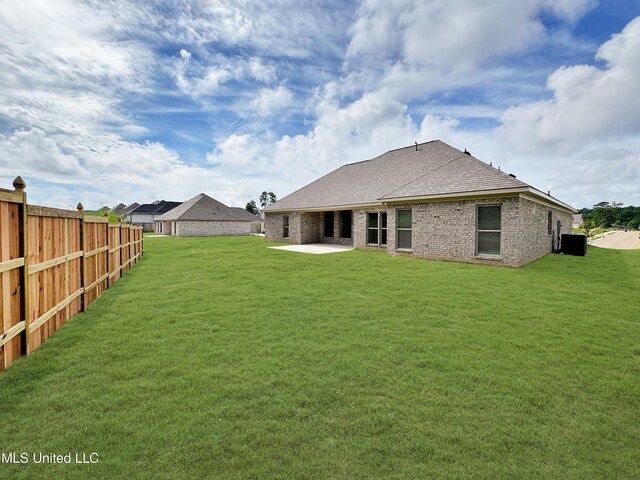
<point x="53" y="264"/>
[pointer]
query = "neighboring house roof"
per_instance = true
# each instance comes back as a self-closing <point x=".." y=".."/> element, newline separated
<point x="156" y="208"/>
<point x="131" y="207"/>
<point x="242" y="212"/>
<point x="118" y="209"/>
<point x="430" y="170"/>
<point x="202" y="208"/>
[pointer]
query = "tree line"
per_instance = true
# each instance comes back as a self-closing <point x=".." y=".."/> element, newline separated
<point x="611" y="215"/>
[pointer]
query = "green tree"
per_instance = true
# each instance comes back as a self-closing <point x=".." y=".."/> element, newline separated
<point x="603" y="214"/>
<point x="606" y="214"/>
<point x="267" y="198"/>
<point x="251" y="207"/>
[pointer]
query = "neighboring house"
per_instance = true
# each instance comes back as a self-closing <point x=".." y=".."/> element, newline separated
<point x="126" y="215"/>
<point x="118" y="209"/>
<point x="203" y="216"/>
<point x="577" y="221"/>
<point x="430" y="201"/>
<point x="147" y="213"/>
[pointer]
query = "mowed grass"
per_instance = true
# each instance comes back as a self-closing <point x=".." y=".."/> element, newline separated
<point x="220" y="358"/>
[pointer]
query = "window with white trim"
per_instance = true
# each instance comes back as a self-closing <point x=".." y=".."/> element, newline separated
<point x="285" y="226"/>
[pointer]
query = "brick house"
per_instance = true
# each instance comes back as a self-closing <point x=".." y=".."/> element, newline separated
<point x="203" y="216"/>
<point x="430" y="201"/>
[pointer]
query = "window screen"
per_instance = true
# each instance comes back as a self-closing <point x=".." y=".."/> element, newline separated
<point x="489" y="226"/>
<point x="372" y="228"/>
<point x="404" y="228"/>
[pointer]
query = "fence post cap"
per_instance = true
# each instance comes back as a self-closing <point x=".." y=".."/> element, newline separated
<point x="19" y="183"/>
<point x="79" y="206"/>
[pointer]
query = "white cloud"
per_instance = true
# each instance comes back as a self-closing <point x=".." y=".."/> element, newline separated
<point x="413" y="48"/>
<point x="262" y="72"/>
<point x="205" y="82"/>
<point x="588" y="102"/>
<point x="30" y="152"/>
<point x="202" y="79"/>
<point x="64" y="43"/>
<point x="271" y="100"/>
<point x="281" y="27"/>
<point x="238" y="151"/>
<point x="452" y="35"/>
<point x="569" y="9"/>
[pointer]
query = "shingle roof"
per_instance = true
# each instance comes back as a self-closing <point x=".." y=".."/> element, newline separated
<point x="156" y="208"/>
<point x="118" y="209"/>
<point x="434" y="168"/>
<point x="242" y="213"/>
<point x="463" y="173"/>
<point x="131" y="207"/>
<point x="203" y="207"/>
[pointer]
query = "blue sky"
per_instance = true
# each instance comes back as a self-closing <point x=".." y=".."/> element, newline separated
<point x="114" y="101"/>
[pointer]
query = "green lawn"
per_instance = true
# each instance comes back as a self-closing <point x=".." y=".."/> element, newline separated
<point x="220" y="358"/>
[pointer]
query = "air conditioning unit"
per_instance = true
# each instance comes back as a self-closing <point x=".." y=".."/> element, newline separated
<point x="574" y="244"/>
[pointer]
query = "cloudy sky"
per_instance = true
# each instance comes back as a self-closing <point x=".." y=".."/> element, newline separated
<point x="103" y="101"/>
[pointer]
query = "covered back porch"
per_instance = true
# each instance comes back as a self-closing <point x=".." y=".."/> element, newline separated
<point x="331" y="227"/>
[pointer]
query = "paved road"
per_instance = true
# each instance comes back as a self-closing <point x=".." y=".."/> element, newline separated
<point x="619" y="240"/>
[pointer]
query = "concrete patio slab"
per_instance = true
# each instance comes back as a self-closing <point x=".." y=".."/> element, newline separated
<point x="315" y="248"/>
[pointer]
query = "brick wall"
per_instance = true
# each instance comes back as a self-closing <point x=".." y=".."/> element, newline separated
<point x="211" y="228"/>
<point x="303" y="228"/>
<point x="447" y="231"/>
<point x="273" y="228"/>
<point x="534" y="238"/>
